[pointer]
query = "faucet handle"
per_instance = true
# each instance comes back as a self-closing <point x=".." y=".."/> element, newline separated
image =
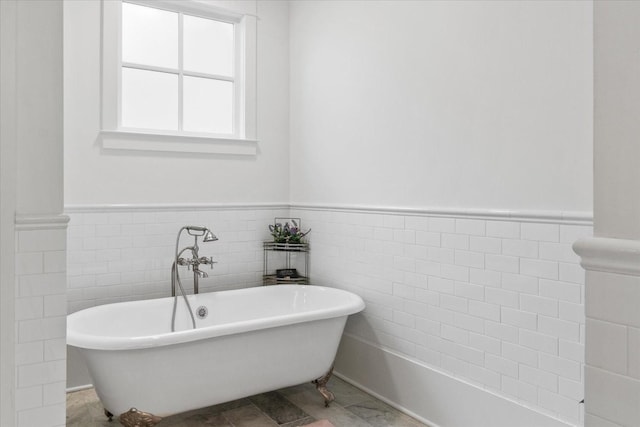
<point x="205" y="260"/>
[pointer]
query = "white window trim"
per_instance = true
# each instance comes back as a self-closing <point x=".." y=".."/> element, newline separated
<point x="113" y="136"/>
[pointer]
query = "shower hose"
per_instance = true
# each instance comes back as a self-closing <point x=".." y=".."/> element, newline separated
<point x="175" y="277"/>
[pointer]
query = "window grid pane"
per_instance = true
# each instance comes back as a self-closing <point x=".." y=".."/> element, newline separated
<point x="149" y="99"/>
<point x="207" y="105"/>
<point x="149" y="36"/>
<point x="199" y="96"/>
<point x="208" y="46"/>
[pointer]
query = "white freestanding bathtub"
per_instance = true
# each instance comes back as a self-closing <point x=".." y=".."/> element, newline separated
<point x="252" y="340"/>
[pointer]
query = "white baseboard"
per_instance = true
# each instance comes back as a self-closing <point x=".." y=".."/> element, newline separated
<point x="384" y="399"/>
<point x="432" y="397"/>
<point x="79" y="388"/>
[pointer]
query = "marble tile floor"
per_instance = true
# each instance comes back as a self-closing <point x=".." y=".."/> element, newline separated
<point x="289" y="407"/>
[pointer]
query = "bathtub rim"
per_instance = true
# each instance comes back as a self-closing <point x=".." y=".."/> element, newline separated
<point x="350" y="303"/>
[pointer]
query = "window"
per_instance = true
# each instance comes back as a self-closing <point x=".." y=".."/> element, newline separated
<point x="178" y="76"/>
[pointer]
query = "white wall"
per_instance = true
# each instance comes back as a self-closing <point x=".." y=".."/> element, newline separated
<point x="126" y="254"/>
<point x="494" y="302"/>
<point x="442" y="154"/>
<point x="8" y="207"/>
<point x="44" y="94"/>
<point x="34" y="282"/>
<point x="96" y="176"/>
<point x="450" y="104"/>
<point x="617" y="85"/>
<point x="116" y="254"/>
<point x="470" y="107"/>
<point x="612" y="257"/>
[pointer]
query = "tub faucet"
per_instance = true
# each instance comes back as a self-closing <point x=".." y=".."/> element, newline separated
<point x="197" y="273"/>
<point x="200" y="273"/>
<point x="196" y="260"/>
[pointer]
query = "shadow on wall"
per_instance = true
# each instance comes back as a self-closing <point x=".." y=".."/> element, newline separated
<point x="77" y="372"/>
<point x="345" y="357"/>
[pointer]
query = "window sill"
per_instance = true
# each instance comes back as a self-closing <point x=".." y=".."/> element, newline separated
<point x="177" y="143"/>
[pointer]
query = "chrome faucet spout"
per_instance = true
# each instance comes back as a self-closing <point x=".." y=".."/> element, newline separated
<point x="200" y="273"/>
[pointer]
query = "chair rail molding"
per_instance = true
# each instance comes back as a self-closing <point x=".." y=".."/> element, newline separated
<point x="40" y="221"/>
<point x="620" y="256"/>
<point x="518" y="215"/>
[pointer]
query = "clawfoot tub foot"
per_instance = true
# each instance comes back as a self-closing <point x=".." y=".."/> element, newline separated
<point x="321" y="386"/>
<point x="108" y="414"/>
<point x="135" y="418"/>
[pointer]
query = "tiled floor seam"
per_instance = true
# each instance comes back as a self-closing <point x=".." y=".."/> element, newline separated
<point x="267" y="415"/>
<point x="351" y="402"/>
<point x="289" y="400"/>
<point x="332" y="403"/>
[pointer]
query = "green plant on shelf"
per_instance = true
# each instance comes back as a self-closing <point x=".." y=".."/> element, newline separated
<point x="289" y="234"/>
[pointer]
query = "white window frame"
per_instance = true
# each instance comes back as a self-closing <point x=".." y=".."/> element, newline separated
<point x="242" y="142"/>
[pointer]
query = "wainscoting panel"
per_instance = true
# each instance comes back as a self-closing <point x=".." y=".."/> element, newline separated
<point x="493" y="299"/>
<point x="41" y="320"/>
<point x="123" y="253"/>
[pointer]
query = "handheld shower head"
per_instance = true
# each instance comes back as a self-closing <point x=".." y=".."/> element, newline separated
<point x="209" y="237"/>
<point x="199" y="231"/>
<point x="197" y="228"/>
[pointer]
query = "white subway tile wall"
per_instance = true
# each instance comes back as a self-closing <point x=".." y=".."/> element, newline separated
<point x="497" y="303"/>
<point x="40" y="327"/>
<point x="127" y="255"/>
<point x="613" y="366"/>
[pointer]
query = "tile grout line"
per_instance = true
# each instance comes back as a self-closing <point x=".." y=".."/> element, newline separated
<point x="227" y="419"/>
<point x="294" y="404"/>
<point x="264" y="413"/>
<point x="86" y="411"/>
<point x="332" y="403"/>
